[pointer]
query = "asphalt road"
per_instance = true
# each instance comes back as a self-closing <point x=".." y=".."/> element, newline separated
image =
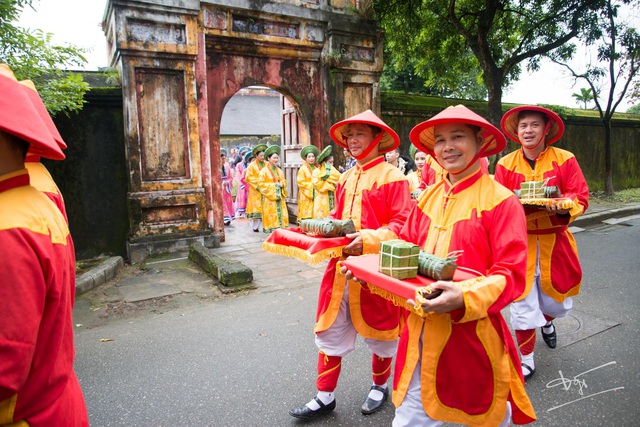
<point x="246" y="360"/>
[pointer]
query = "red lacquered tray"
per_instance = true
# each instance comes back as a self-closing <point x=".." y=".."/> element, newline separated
<point x="310" y="249"/>
<point x="365" y="268"/>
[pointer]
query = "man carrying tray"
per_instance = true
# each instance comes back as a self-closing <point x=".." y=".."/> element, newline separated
<point x="554" y="274"/>
<point x="456" y="360"/>
<point x="375" y="195"/>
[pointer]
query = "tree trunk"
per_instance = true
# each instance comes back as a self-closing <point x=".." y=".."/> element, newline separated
<point x="494" y="88"/>
<point x="608" y="163"/>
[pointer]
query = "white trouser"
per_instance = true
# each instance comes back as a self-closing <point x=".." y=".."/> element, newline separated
<point x="340" y="338"/>
<point x="528" y="312"/>
<point x="411" y="413"/>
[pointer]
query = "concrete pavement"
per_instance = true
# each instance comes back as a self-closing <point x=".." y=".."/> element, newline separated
<point x="198" y="356"/>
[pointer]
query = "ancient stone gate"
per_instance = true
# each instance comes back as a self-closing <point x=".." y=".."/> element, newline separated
<point x="180" y="61"/>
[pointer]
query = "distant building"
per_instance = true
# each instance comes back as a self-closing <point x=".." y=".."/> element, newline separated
<point x="250" y="117"/>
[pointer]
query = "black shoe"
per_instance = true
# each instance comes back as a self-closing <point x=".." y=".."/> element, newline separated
<point x="550" y="339"/>
<point x="371" y="406"/>
<point x="530" y="374"/>
<point x="305" y="413"/>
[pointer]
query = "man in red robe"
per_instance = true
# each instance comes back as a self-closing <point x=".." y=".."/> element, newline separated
<point x="457" y="361"/>
<point x="38" y="386"/>
<point x="554" y="274"/>
<point x="376" y="196"/>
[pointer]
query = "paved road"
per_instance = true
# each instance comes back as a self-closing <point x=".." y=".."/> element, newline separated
<point x="244" y="360"/>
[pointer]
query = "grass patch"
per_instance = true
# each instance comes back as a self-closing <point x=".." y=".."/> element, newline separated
<point x="629" y="195"/>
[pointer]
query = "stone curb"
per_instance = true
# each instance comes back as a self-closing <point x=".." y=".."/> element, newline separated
<point x="99" y="275"/>
<point x="232" y="276"/>
<point x="598" y="217"/>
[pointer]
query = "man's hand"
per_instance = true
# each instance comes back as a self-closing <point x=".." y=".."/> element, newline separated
<point x="349" y="275"/>
<point x="553" y="207"/>
<point x="355" y="247"/>
<point x="450" y="299"/>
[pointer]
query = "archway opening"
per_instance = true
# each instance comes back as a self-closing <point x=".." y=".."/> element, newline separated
<point x="263" y="115"/>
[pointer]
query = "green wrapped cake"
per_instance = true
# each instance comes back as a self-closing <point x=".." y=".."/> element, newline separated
<point x="399" y="259"/>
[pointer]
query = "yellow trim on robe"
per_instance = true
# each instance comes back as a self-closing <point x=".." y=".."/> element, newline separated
<point x="30" y="200"/>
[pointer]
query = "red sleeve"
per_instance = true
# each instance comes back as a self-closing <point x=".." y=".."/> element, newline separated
<point x="22" y="297"/>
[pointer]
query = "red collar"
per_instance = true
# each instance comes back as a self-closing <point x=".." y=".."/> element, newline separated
<point x="370" y="164"/>
<point x="19" y="178"/>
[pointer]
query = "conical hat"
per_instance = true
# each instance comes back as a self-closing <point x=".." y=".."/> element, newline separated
<point x="422" y="135"/>
<point x="509" y="123"/>
<point x="19" y="117"/>
<point x="325" y="153"/>
<point x="270" y="150"/>
<point x="308" y="149"/>
<point x="390" y="140"/>
<point x="30" y="89"/>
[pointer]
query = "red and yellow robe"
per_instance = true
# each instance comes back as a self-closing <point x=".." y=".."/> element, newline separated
<point x="470" y="365"/>
<point x="376" y="197"/>
<point x="38" y="386"/>
<point x="325" y="178"/>
<point x="431" y="173"/>
<point x="560" y="271"/>
<point x="254" y="200"/>
<point x="415" y="180"/>
<point x="306" y="191"/>
<point x="273" y="186"/>
<point x="41" y="179"/>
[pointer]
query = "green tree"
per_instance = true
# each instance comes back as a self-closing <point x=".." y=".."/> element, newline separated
<point x="402" y="74"/>
<point x="447" y="38"/>
<point x="618" y="47"/>
<point x="32" y="55"/>
<point x="583" y="97"/>
<point x="635" y="109"/>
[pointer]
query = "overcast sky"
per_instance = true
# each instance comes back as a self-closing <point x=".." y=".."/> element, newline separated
<point x="79" y="22"/>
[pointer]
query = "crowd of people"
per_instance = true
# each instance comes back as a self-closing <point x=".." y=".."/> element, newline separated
<point x="244" y="188"/>
<point x="455" y="358"/>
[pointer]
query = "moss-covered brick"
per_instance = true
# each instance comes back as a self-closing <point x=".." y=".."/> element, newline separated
<point x="229" y="274"/>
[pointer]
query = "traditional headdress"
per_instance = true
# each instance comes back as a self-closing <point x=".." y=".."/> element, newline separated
<point x="554" y="128"/>
<point x="30" y="89"/>
<point x="308" y="149"/>
<point x="324" y="154"/>
<point x="387" y="140"/>
<point x="272" y="149"/>
<point x="422" y="135"/>
<point x="258" y="148"/>
<point x="19" y="117"/>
